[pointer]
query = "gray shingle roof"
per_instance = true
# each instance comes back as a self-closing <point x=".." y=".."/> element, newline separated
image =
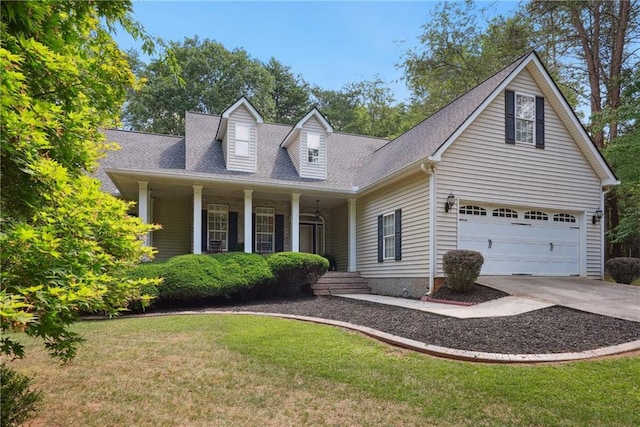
<point x="353" y="160"/>
<point x="425" y="138"/>
<point x="142" y="151"/>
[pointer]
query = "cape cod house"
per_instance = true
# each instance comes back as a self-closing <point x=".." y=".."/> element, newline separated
<point x="506" y="169"/>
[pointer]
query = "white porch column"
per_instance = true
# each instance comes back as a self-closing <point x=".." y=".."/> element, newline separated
<point x="295" y="222"/>
<point x="197" y="219"/>
<point x="352" y="236"/>
<point x="248" y="223"/>
<point x="143" y="205"/>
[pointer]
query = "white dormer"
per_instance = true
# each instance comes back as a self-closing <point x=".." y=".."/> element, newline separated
<point x="307" y="145"/>
<point x="238" y="131"/>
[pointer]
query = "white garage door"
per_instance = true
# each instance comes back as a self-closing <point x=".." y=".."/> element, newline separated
<point x="517" y="241"/>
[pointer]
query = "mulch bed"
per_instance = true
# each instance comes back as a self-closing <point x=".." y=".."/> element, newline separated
<point x="551" y="330"/>
<point x="477" y="295"/>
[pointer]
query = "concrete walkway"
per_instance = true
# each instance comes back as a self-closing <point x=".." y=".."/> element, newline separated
<point x="508" y="306"/>
<point x="593" y="296"/>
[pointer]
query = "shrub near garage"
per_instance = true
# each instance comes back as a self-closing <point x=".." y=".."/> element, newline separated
<point x="294" y="270"/>
<point x="462" y="268"/>
<point x="623" y="270"/>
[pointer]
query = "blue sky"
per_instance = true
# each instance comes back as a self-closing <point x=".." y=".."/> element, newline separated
<point x="329" y="44"/>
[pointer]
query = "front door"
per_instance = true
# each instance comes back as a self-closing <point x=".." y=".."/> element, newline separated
<point x="306" y="238"/>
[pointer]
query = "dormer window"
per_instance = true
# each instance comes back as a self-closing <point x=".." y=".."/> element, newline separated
<point x="242" y="140"/>
<point x="313" y="148"/>
<point x="525" y="117"/>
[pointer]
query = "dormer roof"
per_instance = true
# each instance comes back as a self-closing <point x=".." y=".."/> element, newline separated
<point x="295" y="131"/>
<point x="224" y="117"/>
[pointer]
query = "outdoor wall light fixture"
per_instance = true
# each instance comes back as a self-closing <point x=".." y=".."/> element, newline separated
<point x="451" y="200"/>
<point x="597" y="216"/>
<point x="317" y="214"/>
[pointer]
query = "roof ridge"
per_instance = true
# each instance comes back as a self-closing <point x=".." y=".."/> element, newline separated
<point x="144" y="132"/>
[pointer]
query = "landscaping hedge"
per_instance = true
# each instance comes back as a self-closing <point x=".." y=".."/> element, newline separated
<point x="623" y="270"/>
<point x="462" y="268"/>
<point x="189" y="277"/>
<point x="294" y="270"/>
<point x="237" y="274"/>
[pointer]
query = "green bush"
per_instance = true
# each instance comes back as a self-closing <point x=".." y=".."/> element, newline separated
<point x="294" y="270"/>
<point x="623" y="270"/>
<point x="188" y="277"/>
<point x="19" y="403"/>
<point x="462" y="268"/>
<point x="146" y="270"/>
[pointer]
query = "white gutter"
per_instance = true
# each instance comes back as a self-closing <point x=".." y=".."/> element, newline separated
<point x="430" y="169"/>
<point x="194" y="179"/>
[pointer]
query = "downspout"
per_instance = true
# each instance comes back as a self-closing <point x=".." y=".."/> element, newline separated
<point x="430" y="169"/>
<point x="602" y="230"/>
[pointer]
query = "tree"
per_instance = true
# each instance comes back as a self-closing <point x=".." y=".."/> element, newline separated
<point x="376" y="112"/>
<point x="214" y="78"/>
<point x="65" y="244"/>
<point x="598" y="42"/>
<point x="291" y="94"/>
<point x="456" y="53"/>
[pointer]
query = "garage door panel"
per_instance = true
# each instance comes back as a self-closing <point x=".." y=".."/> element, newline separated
<point x="513" y="246"/>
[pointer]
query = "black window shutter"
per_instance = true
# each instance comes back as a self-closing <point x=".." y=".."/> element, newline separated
<point x="539" y="122"/>
<point x="233" y="231"/>
<point x="253" y="233"/>
<point x="510" y="116"/>
<point x="279" y="229"/>
<point x="398" y="227"/>
<point x="204" y="244"/>
<point x="380" y="239"/>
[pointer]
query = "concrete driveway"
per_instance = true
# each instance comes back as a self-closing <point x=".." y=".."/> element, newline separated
<point x="594" y="296"/>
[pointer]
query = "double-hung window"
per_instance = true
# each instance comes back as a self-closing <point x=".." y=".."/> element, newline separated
<point x="525" y="117"/>
<point x="389" y="235"/>
<point x="219" y="225"/>
<point x="265" y="229"/>
<point x="242" y="140"/>
<point x="313" y="148"/>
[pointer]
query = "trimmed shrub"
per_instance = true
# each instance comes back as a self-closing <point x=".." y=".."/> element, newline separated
<point x="623" y="270"/>
<point x="205" y="276"/>
<point x="294" y="270"/>
<point x="462" y="268"/>
<point x="19" y="403"/>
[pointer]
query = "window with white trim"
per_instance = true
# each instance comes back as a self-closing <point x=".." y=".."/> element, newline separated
<point x="505" y="213"/>
<point x="218" y="219"/>
<point x="536" y="215"/>
<point x="243" y="133"/>
<point x="563" y="217"/>
<point x="265" y="229"/>
<point x="389" y="235"/>
<point x="313" y="148"/>
<point x="472" y="210"/>
<point x="525" y="117"/>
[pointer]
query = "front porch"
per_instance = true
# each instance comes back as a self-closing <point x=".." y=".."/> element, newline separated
<point x="202" y="218"/>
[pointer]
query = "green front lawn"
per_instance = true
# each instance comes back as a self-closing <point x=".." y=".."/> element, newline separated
<point x="205" y="370"/>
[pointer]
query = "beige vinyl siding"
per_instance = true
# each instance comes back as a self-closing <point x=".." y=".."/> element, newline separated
<point x="313" y="170"/>
<point x="340" y="236"/>
<point x="480" y="167"/>
<point x="241" y="163"/>
<point x="174" y="238"/>
<point x="412" y="196"/>
<point x="294" y="152"/>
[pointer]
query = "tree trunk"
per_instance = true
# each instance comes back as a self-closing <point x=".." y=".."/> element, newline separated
<point x="614" y="249"/>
